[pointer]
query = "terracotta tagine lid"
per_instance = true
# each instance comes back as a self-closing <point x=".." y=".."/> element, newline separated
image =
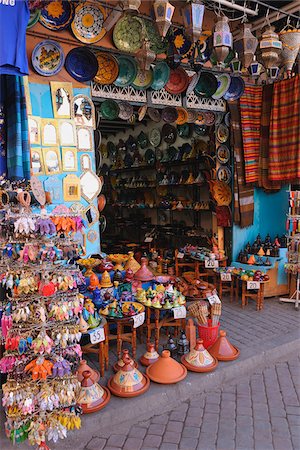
<point x="92" y="397"/>
<point x="132" y="263"/>
<point x="251" y="260"/>
<point x="144" y="274"/>
<point x="119" y="365"/>
<point x="199" y="359"/>
<point x="84" y="367"/>
<point x="166" y="370"/>
<point x="223" y="350"/>
<point x="150" y="357"/>
<point x="128" y="382"/>
<point x="94" y="282"/>
<point x="105" y="280"/>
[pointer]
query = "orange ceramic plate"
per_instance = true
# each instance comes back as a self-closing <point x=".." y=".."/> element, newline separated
<point x="108" y="68"/>
<point x="182" y="116"/>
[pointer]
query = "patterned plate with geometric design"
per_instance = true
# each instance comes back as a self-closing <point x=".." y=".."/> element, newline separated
<point x="87" y="25"/>
<point x="57" y="15"/>
<point x="108" y="68"/>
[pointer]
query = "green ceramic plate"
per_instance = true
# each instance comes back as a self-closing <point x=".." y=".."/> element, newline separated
<point x="161" y="74"/>
<point x="33" y="18"/>
<point x="143" y="79"/>
<point x="127" y="35"/>
<point x="127" y="71"/>
<point x="223" y="85"/>
<point x="158" y="45"/>
<point x="207" y="85"/>
<point x="109" y="109"/>
<point x="155" y="137"/>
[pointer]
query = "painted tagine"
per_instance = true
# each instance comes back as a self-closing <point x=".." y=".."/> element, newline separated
<point x="128" y="381"/>
<point x="105" y="280"/>
<point x="150" y="356"/>
<point x="166" y="370"/>
<point x="92" y="397"/>
<point x="132" y="263"/>
<point x="119" y="365"/>
<point x="84" y="367"/>
<point x="144" y="274"/>
<point x="223" y="350"/>
<point x="199" y="359"/>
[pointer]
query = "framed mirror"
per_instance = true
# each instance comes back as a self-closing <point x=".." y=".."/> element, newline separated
<point x="49" y="132"/>
<point x="69" y="159"/>
<point x="62" y="94"/>
<point x="90" y="185"/>
<point x="71" y="188"/>
<point x="84" y="139"/>
<point x="85" y="162"/>
<point x="36" y="161"/>
<point x="83" y="111"/>
<point x="91" y="215"/>
<point x="52" y="160"/>
<point x="67" y="132"/>
<point x="34" y="129"/>
<point x="53" y="185"/>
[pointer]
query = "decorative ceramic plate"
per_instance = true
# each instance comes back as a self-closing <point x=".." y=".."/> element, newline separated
<point x="200" y="119"/>
<point x="222" y="133"/>
<point x="57" y="15"/>
<point x="193" y="83"/>
<point x="161" y="74"/>
<point x="127" y="71"/>
<point x="182" y="42"/>
<point x="223" y="85"/>
<point x="155" y="137"/>
<point x="87" y="25"/>
<point x="154" y="114"/>
<point x="182" y="116"/>
<point x="209" y="118"/>
<point x="222" y="193"/>
<point x="126" y="110"/>
<point x="227" y="119"/>
<point x="47" y="58"/>
<point x="81" y="64"/>
<point x="142" y="112"/>
<point x="109" y="109"/>
<point x="127" y="34"/>
<point x="143" y="79"/>
<point x="108" y="68"/>
<point x="158" y="45"/>
<point x="236" y="89"/>
<point x="169" y="114"/>
<point x="178" y="81"/>
<point x="224" y="174"/>
<point x="223" y="154"/>
<point x="192" y="116"/>
<point x="150" y="156"/>
<point x="169" y="133"/>
<point x="207" y="85"/>
<point x="33" y="18"/>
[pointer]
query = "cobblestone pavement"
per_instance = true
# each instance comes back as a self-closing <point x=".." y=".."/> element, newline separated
<point x="261" y="413"/>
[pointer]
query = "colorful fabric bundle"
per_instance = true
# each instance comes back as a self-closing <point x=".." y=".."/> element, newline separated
<point x="250" y="107"/>
<point x="284" y="145"/>
<point x="243" y="195"/>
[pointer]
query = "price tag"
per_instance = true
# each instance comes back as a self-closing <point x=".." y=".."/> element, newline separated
<point x="251" y="285"/>
<point x="180" y="312"/>
<point x="138" y="320"/>
<point x="211" y="263"/>
<point x="97" y="335"/>
<point x="180" y="255"/>
<point x="213" y="299"/>
<point x="149" y="239"/>
<point x="225" y="276"/>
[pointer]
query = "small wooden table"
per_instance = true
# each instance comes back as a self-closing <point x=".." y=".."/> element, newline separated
<point x="101" y="348"/>
<point x="257" y="295"/>
<point x="165" y="321"/>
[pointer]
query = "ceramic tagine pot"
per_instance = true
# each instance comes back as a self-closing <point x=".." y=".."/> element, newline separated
<point x="199" y="359"/>
<point x="129" y="381"/>
<point x="166" y="370"/>
<point x="144" y="274"/>
<point x="84" y="367"/>
<point x="132" y="263"/>
<point x="94" y="282"/>
<point x="105" y="280"/>
<point x="150" y="356"/>
<point x="119" y="365"/>
<point x="92" y="397"/>
<point x="223" y="350"/>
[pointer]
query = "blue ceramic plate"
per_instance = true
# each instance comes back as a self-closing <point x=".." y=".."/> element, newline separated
<point x="223" y="85"/>
<point x="81" y="64"/>
<point x="47" y="58"/>
<point x="57" y="15"/>
<point x="161" y="74"/>
<point x="224" y="174"/>
<point x="127" y="71"/>
<point x="236" y="89"/>
<point x="182" y="42"/>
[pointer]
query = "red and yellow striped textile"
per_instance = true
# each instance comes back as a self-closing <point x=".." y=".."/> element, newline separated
<point x="284" y="145"/>
<point x="250" y="106"/>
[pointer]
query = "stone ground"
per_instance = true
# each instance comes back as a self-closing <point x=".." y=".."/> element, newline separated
<point x="250" y="403"/>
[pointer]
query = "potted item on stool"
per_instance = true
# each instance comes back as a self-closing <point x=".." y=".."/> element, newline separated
<point x="129" y="381"/>
<point x="92" y="396"/>
<point x="166" y="370"/>
<point x="119" y="365"/>
<point x="150" y="357"/>
<point x="199" y="359"/>
<point x="223" y="350"/>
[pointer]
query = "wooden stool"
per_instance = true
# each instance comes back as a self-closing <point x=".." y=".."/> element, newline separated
<point x="257" y="295"/>
<point x="122" y="336"/>
<point x="101" y="349"/>
<point x="225" y="286"/>
<point x="159" y="323"/>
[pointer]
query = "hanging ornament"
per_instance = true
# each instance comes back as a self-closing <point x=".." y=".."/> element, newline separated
<point x="222" y="39"/>
<point x="131" y="5"/>
<point x="255" y="68"/>
<point x="173" y="57"/>
<point x="270" y="47"/>
<point x="273" y="72"/>
<point x="246" y="44"/>
<point x="236" y="65"/>
<point x="290" y="47"/>
<point x="163" y="11"/>
<point x="145" y="56"/>
<point x="193" y="14"/>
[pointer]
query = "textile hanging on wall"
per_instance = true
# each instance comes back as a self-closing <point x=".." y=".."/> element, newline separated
<point x="263" y="172"/>
<point x="18" y="154"/>
<point x="250" y="106"/>
<point x="284" y="146"/>
<point x="243" y="194"/>
<point x="3" y="166"/>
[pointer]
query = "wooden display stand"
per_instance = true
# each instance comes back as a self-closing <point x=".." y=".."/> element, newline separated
<point x="100" y="349"/>
<point x="257" y="295"/>
<point x="178" y="324"/>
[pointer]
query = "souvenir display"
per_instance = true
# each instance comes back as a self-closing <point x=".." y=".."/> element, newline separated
<point x="108" y="68"/>
<point x="81" y="64"/>
<point x="127" y="34"/>
<point x="47" y="58"/>
<point x="127" y="71"/>
<point x="87" y="24"/>
<point x="57" y="15"/>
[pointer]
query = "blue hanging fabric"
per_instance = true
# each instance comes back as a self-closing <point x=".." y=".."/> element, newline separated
<point x="3" y="165"/>
<point x="18" y="154"/>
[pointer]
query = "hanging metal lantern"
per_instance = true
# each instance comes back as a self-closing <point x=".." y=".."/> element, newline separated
<point x="145" y="55"/>
<point x="273" y="72"/>
<point x="163" y="11"/>
<point x="246" y="44"/>
<point x="270" y="47"/>
<point x="222" y="39"/>
<point x="290" y="47"/>
<point x="236" y="65"/>
<point x="255" y="68"/>
<point x="193" y="14"/>
<point x="131" y="5"/>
